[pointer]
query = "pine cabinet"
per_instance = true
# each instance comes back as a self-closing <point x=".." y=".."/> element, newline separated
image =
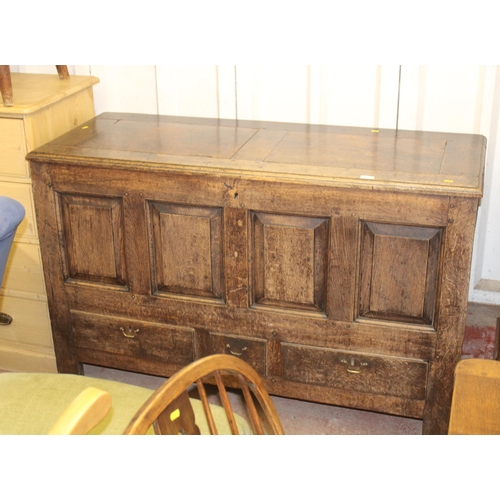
<point x="44" y="108"/>
<point x="334" y="260"/>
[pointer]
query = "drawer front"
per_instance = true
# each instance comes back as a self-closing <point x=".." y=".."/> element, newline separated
<point x="253" y="351"/>
<point x="24" y="269"/>
<point x="12" y="148"/>
<point x="133" y="338"/>
<point x="384" y="375"/>
<point x="30" y="321"/>
<point x="23" y="194"/>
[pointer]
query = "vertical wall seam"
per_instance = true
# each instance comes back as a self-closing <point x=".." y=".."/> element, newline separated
<point x="378" y="92"/>
<point x="157" y="94"/>
<point x="217" y="87"/>
<point x="308" y="95"/>
<point x="235" y="94"/>
<point x="399" y="97"/>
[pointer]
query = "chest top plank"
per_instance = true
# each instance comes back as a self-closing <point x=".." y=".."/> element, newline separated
<point x="421" y="162"/>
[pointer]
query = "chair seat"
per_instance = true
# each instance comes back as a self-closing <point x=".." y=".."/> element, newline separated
<point x="31" y="403"/>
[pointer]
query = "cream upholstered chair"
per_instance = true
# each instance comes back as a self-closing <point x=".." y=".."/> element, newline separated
<point x="33" y="403"/>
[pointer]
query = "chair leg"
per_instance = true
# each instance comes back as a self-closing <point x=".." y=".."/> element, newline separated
<point x="62" y="71"/>
<point x="6" y="85"/>
<point x="496" y="354"/>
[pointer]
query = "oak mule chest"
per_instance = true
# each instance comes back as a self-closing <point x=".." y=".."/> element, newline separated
<point x="334" y="260"/>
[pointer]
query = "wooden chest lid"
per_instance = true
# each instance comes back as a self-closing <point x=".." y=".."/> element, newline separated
<point x="430" y="162"/>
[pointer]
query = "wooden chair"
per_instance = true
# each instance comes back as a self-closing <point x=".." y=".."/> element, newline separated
<point x="84" y="413"/>
<point x="6" y="82"/>
<point x="169" y="409"/>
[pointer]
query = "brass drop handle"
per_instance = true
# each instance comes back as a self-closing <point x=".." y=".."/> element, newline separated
<point x="131" y="333"/>
<point x="228" y="346"/>
<point x="354" y="366"/>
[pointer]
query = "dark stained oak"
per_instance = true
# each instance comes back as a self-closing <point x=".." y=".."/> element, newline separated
<point x="334" y="260"/>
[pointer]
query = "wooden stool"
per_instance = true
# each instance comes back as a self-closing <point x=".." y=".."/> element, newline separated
<point x="6" y="82"/>
<point x="475" y="407"/>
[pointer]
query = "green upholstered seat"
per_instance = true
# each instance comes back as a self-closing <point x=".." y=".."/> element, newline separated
<point x="31" y="403"/>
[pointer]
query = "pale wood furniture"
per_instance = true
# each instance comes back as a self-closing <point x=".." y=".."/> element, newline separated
<point x="87" y="410"/>
<point x="44" y="108"/>
<point x="476" y="398"/>
<point x="334" y="260"/>
<point x="496" y="354"/>
<point x="6" y="82"/>
<point x="170" y="412"/>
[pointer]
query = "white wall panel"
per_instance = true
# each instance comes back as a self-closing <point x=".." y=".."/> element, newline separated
<point x="127" y="89"/>
<point x="360" y="96"/>
<point x="364" y="96"/>
<point x="275" y="93"/>
<point x="196" y="90"/>
<point x="486" y="272"/>
<point x="442" y="98"/>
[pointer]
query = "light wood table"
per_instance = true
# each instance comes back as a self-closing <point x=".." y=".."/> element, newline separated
<point x="476" y="398"/>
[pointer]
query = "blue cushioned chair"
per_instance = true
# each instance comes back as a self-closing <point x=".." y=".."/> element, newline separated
<point x="11" y="215"/>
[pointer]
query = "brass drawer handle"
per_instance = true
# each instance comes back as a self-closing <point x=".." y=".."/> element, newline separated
<point x="131" y="333"/>
<point x="354" y="366"/>
<point x="228" y="346"/>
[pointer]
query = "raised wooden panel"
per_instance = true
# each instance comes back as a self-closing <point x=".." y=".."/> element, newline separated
<point x="399" y="272"/>
<point x="92" y="228"/>
<point x="289" y="257"/>
<point x="353" y="371"/>
<point x="186" y="250"/>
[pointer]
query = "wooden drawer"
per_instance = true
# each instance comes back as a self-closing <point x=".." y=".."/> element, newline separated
<point x="23" y="194"/>
<point x="251" y="350"/>
<point x="13" y="148"/>
<point x="24" y="270"/>
<point x="351" y="371"/>
<point x="127" y="337"/>
<point x="31" y="323"/>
